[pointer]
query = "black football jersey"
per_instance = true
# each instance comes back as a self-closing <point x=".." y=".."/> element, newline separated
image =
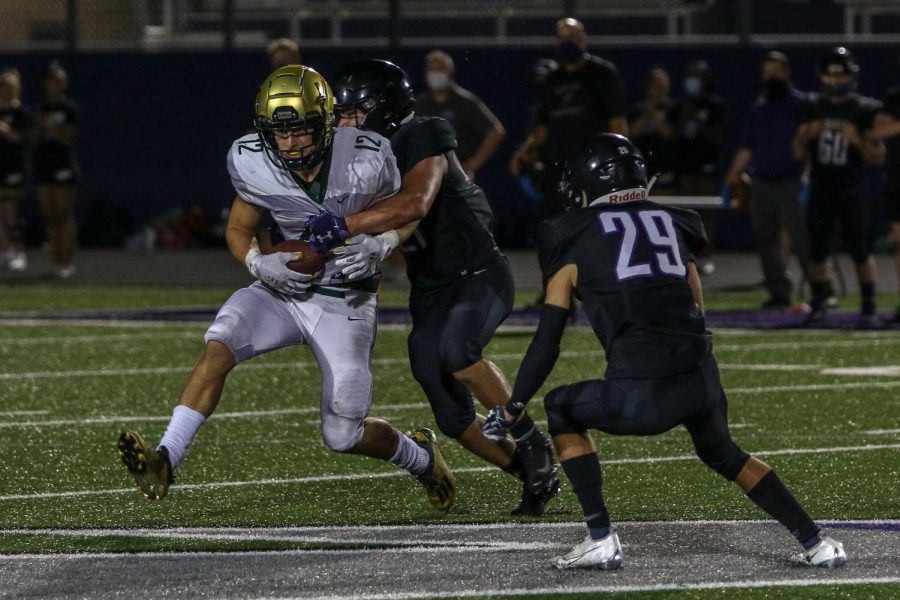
<point x="18" y="119"/>
<point x="455" y="236"/>
<point x="836" y="165"/>
<point x="632" y="279"/>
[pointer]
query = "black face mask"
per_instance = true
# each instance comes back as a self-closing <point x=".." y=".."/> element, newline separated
<point x="838" y="91"/>
<point x="775" y="89"/>
<point x="569" y="52"/>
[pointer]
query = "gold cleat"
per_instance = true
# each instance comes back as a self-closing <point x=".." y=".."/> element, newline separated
<point x="440" y="486"/>
<point x="151" y="468"/>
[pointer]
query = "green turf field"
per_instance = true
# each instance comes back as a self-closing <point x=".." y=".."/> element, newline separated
<point x="66" y="390"/>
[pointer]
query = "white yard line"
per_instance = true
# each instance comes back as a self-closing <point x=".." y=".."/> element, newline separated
<point x="399" y="473"/>
<point x="23" y="413"/>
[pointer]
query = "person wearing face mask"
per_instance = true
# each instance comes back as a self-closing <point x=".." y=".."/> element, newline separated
<point x="698" y="120"/>
<point x="835" y="136"/>
<point x="584" y="96"/>
<point x="478" y="131"/>
<point x="766" y="155"/>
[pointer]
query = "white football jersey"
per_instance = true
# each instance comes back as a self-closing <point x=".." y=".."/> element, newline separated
<point x="362" y="171"/>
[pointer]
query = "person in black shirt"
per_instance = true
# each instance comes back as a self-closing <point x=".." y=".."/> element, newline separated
<point x="461" y="284"/>
<point x="835" y="137"/>
<point x="584" y="96"/>
<point x="15" y="122"/>
<point x="478" y="131"/>
<point x="631" y="262"/>
<point x="56" y="167"/>
<point x="887" y="128"/>
<point x="652" y="132"/>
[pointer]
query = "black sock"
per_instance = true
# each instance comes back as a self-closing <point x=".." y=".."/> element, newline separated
<point x="820" y="293"/>
<point x="523" y="428"/>
<point x="587" y="483"/>
<point x="771" y="495"/>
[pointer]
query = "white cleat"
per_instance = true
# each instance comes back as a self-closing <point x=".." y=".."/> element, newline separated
<point x="828" y="553"/>
<point x="604" y="554"/>
<point x="18" y="262"/>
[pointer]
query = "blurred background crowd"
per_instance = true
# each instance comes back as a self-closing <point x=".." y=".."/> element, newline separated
<point x="116" y="115"/>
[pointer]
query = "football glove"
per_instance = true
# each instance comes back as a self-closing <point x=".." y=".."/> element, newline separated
<point x="496" y="427"/>
<point x="361" y="255"/>
<point x="273" y="271"/>
<point x="326" y="231"/>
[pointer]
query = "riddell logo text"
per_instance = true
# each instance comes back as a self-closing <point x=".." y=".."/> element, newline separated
<point x="628" y="196"/>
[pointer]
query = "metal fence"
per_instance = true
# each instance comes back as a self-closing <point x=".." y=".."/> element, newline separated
<point x="216" y="24"/>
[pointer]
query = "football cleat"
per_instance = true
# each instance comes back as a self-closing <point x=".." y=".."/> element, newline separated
<point x="534" y="504"/>
<point x="816" y="316"/>
<point x="539" y="466"/>
<point x="440" y="486"/>
<point x="151" y="468"/>
<point x="828" y="553"/>
<point x="604" y="554"/>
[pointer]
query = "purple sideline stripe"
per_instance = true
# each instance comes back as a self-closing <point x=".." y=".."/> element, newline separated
<point x="746" y="319"/>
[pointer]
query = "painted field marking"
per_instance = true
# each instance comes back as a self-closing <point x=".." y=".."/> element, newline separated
<point x="884" y="371"/>
<point x="881" y="431"/>
<point x="23" y="413"/>
<point x="94" y="339"/>
<point x="399" y="473"/>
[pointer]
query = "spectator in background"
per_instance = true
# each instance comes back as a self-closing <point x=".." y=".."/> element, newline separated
<point x="15" y="121"/>
<point x="835" y="136"/>
<point x="766" y="154"/>
<point x="56" y="167"/>
<point x="584" y="96"/>
<point x="887" y="128"/>
<point x="652" y="132"/>
<point x="478" y="131"/>
<point x="283" y="52"/>
<point x="699" y="123"/>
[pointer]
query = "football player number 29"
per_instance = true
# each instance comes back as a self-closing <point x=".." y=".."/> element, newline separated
<point x="654" y="226"/>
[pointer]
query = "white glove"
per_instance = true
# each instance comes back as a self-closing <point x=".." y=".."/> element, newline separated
<point x="360" y="257"/>
<point x="273" y="271"/>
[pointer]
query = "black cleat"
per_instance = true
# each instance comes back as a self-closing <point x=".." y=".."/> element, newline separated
<point x="534" y="505"/>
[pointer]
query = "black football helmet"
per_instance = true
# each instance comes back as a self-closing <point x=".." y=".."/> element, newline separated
<point x="839" y="61"/>
<point x="607" y="163"/>
<point x="380" y="89"/>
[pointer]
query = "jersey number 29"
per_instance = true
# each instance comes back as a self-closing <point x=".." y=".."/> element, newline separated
<point x="653" y="226"/>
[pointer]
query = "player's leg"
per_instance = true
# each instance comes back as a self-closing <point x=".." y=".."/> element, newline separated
<point x="68" y="232"/>
<point x="253" y="321"/>
<point x="854" y="232"/>
<point x="342" y="341"/>
<point x="476" y="306"/>
<point x="716" y="448"/>
<point x="566" y="407"/>
<point x="820" y="226"/>
<point x="10" y="231"/>
<point x="766" y="216"/>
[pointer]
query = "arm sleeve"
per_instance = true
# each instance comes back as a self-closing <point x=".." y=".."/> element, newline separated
<point x="541" y="355"/>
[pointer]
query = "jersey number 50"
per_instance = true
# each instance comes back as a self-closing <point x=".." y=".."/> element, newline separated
<point x="657" y="228"/>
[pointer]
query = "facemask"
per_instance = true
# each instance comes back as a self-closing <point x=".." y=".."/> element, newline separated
<point x="569" y="52"/>
<point x="437" y="81"/>
<point x="775" y="89"/>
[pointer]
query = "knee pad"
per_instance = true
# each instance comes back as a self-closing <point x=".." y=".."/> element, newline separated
<point x="557" y="418"/>
<point x="341" y="433"/>
<point x="727" y="460"/>
<point x="230" y="330"/>
<point x="453" y="419"/>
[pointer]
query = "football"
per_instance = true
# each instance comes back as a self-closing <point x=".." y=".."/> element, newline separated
<point x="310" y="263"/>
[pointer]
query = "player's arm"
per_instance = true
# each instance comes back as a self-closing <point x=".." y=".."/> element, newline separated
<point x="885" y="126"/>
<point x="696" y="286"/>
<point x="418" y="189"/>
<point x="543" y="351"/>
<point x="486" y="149"/>
<point x="240" y="231"/>
<point x="805" y="133"/>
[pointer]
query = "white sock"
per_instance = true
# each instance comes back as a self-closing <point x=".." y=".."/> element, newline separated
<point x="180" y="433"/>
<point x="410" y="456"/>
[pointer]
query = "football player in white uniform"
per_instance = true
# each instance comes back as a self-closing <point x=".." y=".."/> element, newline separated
<point x="298" y="165"/>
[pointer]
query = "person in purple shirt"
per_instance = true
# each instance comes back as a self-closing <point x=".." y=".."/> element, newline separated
<point x="765" y="154"/>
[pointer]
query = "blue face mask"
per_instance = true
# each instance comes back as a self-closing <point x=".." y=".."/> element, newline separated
<point x="693" y="86"/>
<point x="569" y="52"/>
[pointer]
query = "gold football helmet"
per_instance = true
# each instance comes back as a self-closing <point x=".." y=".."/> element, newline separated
<point x="295" y="98"/>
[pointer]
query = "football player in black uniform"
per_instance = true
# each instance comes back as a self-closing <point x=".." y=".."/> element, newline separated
<point x="887" y="128"/>
<point x="631" y="262"/>
<point x="15" y="121"/>
<point x="835" y="137"/>
<point x="461" y="285"/>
